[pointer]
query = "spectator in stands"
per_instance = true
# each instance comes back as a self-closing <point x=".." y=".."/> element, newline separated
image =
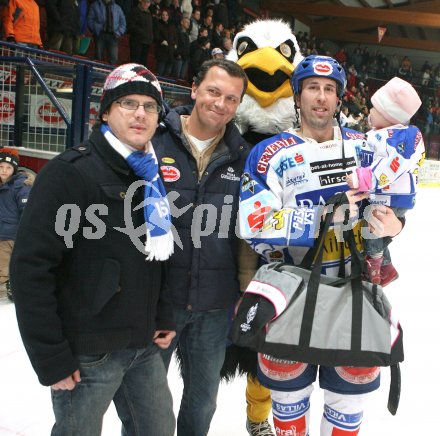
<point x="226" y="44"/>
<point x="140" y="28"/>
<point x="14" y="192"/>
<point x="405" y="71"/>
<point x="166" y="44"/>
<point x="221" y="13"/>
<point x="156" y="10"/>
<point x="216" y="40"/>
<point x="207" y="22"/>
<point x="200" y="54"/>
<point x="106" y="21"/>
<point x="195" y="25"/>
<point x="341" y="56"/>
<point x="181" y="56"/>
<point x="63" y="25"/>
<point x="83" y="11"/>
<point x="21" y="23"/>
<point x="393" y="65"/>
<point x="175" y="12"/>
<point x="217" y="53"/>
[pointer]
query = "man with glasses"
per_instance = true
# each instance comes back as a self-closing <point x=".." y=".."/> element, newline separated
<point x="89" y="300"/>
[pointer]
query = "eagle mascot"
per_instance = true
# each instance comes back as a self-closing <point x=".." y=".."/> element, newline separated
<point x="268" y="52"/>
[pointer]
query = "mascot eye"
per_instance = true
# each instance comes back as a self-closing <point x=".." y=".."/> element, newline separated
<point x="285" y="50"/>
<point x="242" y="47"/>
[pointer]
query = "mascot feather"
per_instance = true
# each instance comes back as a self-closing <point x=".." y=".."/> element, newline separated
<point x="268" y="52"/>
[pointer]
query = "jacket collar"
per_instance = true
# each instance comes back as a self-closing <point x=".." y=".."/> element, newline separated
<point x="108" y="153"/>
<point x="232" y="141"/>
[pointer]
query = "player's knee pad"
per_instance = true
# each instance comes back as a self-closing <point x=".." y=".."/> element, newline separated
<point x="291" y="411"/>
<point x="342" y="414"/>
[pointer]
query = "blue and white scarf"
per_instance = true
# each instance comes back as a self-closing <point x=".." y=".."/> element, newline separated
<point x="160" y="242"/>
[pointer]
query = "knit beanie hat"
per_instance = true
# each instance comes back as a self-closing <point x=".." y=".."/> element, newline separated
<point x="9" y="156"/>
<point x="397" y="101"/>
<point x="129" y="79"/>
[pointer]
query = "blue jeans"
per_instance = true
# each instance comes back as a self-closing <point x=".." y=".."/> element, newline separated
<point x="201" y="337"/>
<point x="137" y="383"/>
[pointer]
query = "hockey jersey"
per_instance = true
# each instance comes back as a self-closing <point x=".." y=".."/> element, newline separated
<point x="394" y="155"/>
<point x="285" y="185"/>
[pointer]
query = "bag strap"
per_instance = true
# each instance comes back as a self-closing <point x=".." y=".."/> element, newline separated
<point x="316" y="254"/>
<point x="395" y="386"/>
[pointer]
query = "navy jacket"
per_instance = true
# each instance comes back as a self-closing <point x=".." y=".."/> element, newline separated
<point x="202" y="276"/>
<point x="13" y="198"/>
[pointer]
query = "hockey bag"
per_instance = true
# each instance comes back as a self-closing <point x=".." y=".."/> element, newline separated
<point x="298" y="314"/>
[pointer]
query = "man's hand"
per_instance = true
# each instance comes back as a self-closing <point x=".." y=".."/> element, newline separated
<point x="68" y="383"/>
<point x="163" y="338"/>
<point x="382" y="221"/>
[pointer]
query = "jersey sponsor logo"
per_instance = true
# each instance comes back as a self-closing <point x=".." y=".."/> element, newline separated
<point x="333" y="179"/>
<point x="280" y="369"/>
<point x="169" y="173"/>
<point x="383" y="180"/>
<point x="395" y="164"/>
<point x="296" y="180"/>
<point x="168" y="160"/>
<point x="326" y="146"/>
<point x="401" y="147"/>
<point x="256" y="219"/>
<point x="230" y="175"/>
<point x="357" y="375"/>
<point x="247" y="184"/>
<point x="302" y="218"/>
<point x="323" y="68"/>
<point x="334" y="164"/>
<point x="289" y="162"/>
<point x="353" y="135"/>
<point x="271" y="150"/>
<point x="250" y="316"/>
<point x="289" y="428"/>
<point x="366" y="158"/>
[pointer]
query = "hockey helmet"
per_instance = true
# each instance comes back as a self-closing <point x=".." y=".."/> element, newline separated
<point x="319" y="66"/>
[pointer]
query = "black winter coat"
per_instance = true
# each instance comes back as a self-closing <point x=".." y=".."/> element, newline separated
<point x="165" y="31"/>
<point x="63" y="16"/>
<point x="140" y="25"/>
<point x="91" y="292"/>
<point x="202" y="276"/>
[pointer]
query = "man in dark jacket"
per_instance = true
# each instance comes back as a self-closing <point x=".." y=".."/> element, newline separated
<point x="202" y="154"/>
<point x="89" y="306"/>
<point x="63" y="24"/>
<point x="140" y="28"/>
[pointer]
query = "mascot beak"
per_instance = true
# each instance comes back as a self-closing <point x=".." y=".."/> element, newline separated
<point x="267" y="84"/>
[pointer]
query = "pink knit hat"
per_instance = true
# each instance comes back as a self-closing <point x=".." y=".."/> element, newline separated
<point x="397" y="101"/>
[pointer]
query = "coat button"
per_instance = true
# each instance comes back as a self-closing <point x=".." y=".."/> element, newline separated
<point x="122" y="194"/>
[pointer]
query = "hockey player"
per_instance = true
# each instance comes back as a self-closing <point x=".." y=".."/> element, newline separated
<point x="390" y="161"/>
<point x="287" y="179"/>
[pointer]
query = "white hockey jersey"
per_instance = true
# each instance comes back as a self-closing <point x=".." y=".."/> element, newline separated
<point x="286" y="182"/>
<point x="395" y="155"/>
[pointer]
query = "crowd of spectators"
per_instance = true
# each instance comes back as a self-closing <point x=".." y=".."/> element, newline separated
<point x="174" y="38"/>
